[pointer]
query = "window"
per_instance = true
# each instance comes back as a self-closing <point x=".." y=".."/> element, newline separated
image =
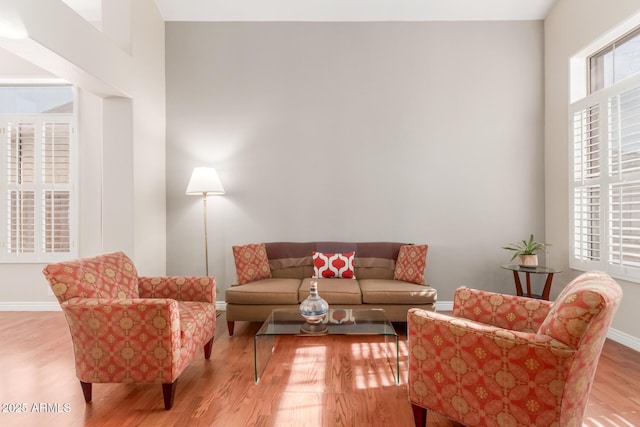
<point x="605" y="179"/>
<point x="37" y="187"/>
<point x="615" y="62"/>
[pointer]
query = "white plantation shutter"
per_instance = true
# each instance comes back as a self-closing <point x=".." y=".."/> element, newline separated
<point x="586" y="143"/>
<point x="56" y="177"/>
<point x="587" y="222"/>
<point x="21" y="180"/>
<point x="624" y="133"/>
<point x="39" y="198"/>
<point x="56" y="222"/>
<point x="624" y="187"/>
<point x="605" y="233"/>
<point x="586" y="180"/>
<point x="624" y="224"/>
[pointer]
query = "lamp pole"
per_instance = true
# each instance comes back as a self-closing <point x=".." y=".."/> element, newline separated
<point x="205" y="181"/>
<point x="206" y="239"/>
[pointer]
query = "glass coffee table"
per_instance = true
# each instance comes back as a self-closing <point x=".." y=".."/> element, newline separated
<point x="339" y="321"/>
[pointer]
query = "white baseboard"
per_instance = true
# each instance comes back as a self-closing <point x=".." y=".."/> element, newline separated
<point x="30" y="306"/>
<point x="624" y="339"/>
<point x="54" y="306"/>
<point x="615" y="335"/>
<point x="444" y="305"/>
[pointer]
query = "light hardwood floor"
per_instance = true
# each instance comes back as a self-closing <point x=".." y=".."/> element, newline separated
<point x="310" y="381"/>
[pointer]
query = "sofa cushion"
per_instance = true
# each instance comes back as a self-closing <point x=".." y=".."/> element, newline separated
<point x="330" y="265"/>
<point x="412" y="260"/>
<point x="334" y="291"/>
<point x="376" y="291"/>
<point x="266" y="291"/>
<point x="293" y="272"/>
<point x="251" y="263"/>
<point x="373" y="272"/>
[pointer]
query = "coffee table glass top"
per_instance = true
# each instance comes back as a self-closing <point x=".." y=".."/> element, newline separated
<point x="339" y="321"/>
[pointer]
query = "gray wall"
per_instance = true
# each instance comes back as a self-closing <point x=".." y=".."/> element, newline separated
<point x="417" y="132"/>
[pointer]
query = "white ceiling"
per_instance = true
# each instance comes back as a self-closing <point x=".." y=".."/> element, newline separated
<point x="337" y="10"/>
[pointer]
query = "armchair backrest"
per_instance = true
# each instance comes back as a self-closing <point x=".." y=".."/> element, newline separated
<point x="585" y="308"/>
<point x="111" y="275"/>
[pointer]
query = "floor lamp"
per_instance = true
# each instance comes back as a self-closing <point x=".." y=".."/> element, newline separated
<point x="205" y="182"/>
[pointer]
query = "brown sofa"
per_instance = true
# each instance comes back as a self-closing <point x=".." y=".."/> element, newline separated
<point x="291" y="266"/>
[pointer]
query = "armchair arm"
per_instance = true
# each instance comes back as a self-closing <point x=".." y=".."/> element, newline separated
<point x="505" y="311"/>
<point x="181" y="288"/>
<point x="123" y="340"/>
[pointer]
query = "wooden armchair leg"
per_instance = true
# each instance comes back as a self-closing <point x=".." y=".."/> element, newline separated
<point x="168" y="392"/>
<point x="86" y="391"/>
<point x="207" y="349"/>
<point x="419" y="415"/>
<point x="230" y="328"/>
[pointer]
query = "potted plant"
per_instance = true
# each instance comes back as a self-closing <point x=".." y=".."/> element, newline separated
<point x="526" y="251"/>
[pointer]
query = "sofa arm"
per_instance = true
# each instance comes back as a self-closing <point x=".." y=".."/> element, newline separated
<point x="122" y="340"/>
<point x="181" y="288"/>
<point x="505" y="311"/>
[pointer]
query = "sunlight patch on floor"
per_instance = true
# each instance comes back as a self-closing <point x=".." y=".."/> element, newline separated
<point x="299" y="409"/>
<point x="367" y="358"/>
<point x="613" y="420"/>
<point x="309" y="364"/>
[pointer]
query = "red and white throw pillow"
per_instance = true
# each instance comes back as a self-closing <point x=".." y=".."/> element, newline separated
<point x="411" y="263"/>
<point x="333" y="266"/>
<point x="251" y="263"/>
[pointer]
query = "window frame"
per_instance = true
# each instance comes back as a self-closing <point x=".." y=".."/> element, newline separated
<point x="40" y="254"/>
<point x="604" y="181"/>
<point x="610" y="47"/>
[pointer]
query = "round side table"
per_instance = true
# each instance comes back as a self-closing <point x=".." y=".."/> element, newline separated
<point x="517" y="269"/>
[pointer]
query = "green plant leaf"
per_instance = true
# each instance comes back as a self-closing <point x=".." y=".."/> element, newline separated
<point x="525" y="247"/>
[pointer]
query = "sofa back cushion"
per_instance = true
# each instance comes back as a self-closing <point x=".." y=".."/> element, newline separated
<point x="373" y="260"/>
<point x="376" y="260"/>
<point x="110" y="275"/>
<point x="290" y="260"/>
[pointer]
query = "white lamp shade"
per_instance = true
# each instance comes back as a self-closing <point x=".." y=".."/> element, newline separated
<point x="204" y="181"/>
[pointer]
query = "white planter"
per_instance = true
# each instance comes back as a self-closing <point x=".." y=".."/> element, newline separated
<point x="528" y="260"/>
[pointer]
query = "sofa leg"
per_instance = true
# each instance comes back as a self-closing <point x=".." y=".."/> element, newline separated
<point x="168" y="392"/>
<point x="86" y="391"/>
<point x="419" y="415"/>
<point x="230" y="327"/>
<point x="207" y="349"/>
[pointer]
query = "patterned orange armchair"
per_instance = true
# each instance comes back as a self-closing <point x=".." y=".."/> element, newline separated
<point x="130" y="329"/>
<point x="504" y="360"/>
